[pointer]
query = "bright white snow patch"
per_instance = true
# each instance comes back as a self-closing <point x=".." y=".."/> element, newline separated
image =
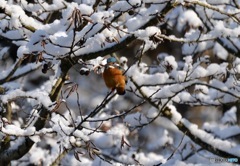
<point x="176" y="116"/>
<point x="189" y="18"/>
<point x="220" y="51"/>
<point x="148" y="32"/>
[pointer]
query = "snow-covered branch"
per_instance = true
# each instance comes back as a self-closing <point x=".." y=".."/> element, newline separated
<point x="207" y="141"/>
<point x="175" y="56"/>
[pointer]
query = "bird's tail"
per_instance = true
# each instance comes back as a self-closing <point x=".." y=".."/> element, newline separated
<point x="120" y="90"/>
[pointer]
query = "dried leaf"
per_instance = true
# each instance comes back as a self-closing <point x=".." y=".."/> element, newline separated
<point x="76" y="156"/>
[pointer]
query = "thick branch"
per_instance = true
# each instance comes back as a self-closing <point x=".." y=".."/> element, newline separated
<point x="9" y="154"/>
<point x="153" y="21"/>
<point x="215" y="8"/>
<point x="16" y="66"/>
<point x="182" y="127"/>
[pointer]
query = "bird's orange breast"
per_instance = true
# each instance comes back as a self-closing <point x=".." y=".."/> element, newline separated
<point x="114" y="79"/>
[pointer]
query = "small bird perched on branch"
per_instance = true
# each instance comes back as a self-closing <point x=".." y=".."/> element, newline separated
<point x="113" y="76"/>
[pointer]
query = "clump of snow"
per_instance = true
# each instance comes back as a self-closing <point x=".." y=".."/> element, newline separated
<point x="101" y="17"/>
<point x="199" y="72"/>
<point x="60" y="125"/>
<point x="236" y="66"/>
<point x="80" y="134"/>
<point x="41" y="96"/>
<point x="219" y="84"/>
<point x="150" y="158"/>
<point x="138" y="73"/>
<point x="188" y="63"/>
<point x="121" y="6"/>
<point x="176" y="116"/>
<point x="85" y="9"/>
<point x="230" y="116"/>
<point x="152" y="112"/>
<point x="179" y="76"/>
<point x="213" y="69"/>
<point x="220" y="51"/>
<point x="35" y="44"/>
<point x="201" y="88"/>
<point x="135" y="2"/>
<point x="37" y="156"/>
<point x="148" y="32"/>
<point x="170" y="60"/>
<point x="16" y="130"/>
<point x="220" y="29"/>
<point x="189" y="18"/>
<point x="185" y="96"/>
<point x="123" y="62"/>
<point x="222" y="131"/>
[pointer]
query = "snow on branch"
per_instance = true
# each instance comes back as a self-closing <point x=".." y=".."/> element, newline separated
<point x="41" y="97"/>
<point x="18" y="71"/>
<point x="207" y="141"/>
<point x="67" y="104"/>
<point x="230" y="14"/>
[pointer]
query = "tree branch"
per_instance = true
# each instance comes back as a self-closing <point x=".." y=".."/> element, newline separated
<point x="153" y="21"/>
<point x="165" y="111"/>
<point x="8" y="154"/>
<point x="199" y="141"/>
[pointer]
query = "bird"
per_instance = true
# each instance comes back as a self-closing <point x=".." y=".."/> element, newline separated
<point x="113" y="76"/>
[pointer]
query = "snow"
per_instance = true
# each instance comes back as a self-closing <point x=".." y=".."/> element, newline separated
<point x="149" y="159"/>
<point x="85" y="9"/>
<point x="209" y="139"/>
<point x="14" y="34"/>
<point x="37" y="156"/>
<point x="222" y="132"/>
<point x="230" y="116"/>
<point x="170" y="60"/>
<point x="72" y="140"/>
<point x="121" y="6"/>
<point x="56" y="5"/>
<point x="188" y="18"/>
<point x="185" y="96"/>
<point x="176" y="116"/>
<point x="119" y="130"/>
<point x="14" y="130"/>
<point x="180" y="76"/>
<point x="142" y="78"/>
<point x="220" y="51"/>
<point x="164" y="81"/>
<point x="100" y="17"/>
<point x="135" y="2"/>
<point x="41" y="96"/>
<point x="213" y="69"/>
<point x="148" y="32"/>
<point x="27" y="68"/>
<point x="219" y="84"/>
<point x="35" y="44"/>
<point x="217" y="2"/>
<point x="221" y="30"/>
<point x="80" y="134"/>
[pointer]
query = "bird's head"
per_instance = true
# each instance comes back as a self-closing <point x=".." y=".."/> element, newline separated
<point x="111" y="60"/>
